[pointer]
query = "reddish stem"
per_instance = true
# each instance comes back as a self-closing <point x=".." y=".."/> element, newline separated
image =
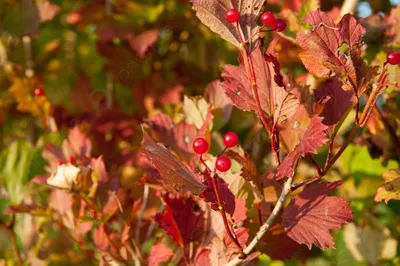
<point x="319" y="171"/>
<point x="223" y="213"/>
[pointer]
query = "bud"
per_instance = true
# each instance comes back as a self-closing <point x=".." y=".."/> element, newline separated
<point x="71" y="178"/>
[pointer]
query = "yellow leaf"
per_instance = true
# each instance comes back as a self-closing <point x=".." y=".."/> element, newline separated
<point x="391" y="189"/>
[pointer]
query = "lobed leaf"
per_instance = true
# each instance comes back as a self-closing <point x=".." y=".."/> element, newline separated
<point x="171" y="170"/>
<point x="212" y="14"/>
<point x="311" y="214"/>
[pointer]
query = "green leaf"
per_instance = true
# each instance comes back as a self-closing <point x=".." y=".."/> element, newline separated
<point x="19" y="163"/>
<point x="357" y="162"/>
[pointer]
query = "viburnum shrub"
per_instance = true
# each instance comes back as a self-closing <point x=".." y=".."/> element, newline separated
<point x="187" y="194"/>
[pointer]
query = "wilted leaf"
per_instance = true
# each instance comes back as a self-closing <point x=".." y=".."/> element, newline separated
<point x="173" y="171"/>
<point x="215" y="94"/>
<point x="391" y="189"/>
<point x="47" y="10"/>
<point x="212" y="14"/>
<point x="275" y="101"/>
<point x="311" y="214"/>
<point x="313" y="138"/>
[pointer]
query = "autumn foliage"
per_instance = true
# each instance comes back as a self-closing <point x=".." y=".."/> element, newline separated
<point x="199" y="133"/>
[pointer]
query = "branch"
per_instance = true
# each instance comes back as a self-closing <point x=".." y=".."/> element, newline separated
<point x="285" y="192"/>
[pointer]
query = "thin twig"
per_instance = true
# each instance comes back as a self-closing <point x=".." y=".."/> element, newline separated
<point x="223" y="213"/>
<point x="263" y="229"/>
<point x="141" y="212"/>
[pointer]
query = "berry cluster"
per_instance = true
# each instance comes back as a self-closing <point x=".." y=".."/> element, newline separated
<point x="268" y="19"/>
<point x="71" y="160"/>
<point x="223" y="163"/>
<point x="393" y="58"/>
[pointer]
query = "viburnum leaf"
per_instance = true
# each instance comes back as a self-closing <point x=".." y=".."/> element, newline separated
<point x="202" y="257"/>
<point x="339" y="102"/>
<point x="196" y="110"/>
<point x="181" y="220"/>
<point x="100" y="238"/>
<point x="227" y="197"/>
<point x="391" y="189"/>
<point x="159" y="253"/>
<point x="275" y="101"/>
<point x="311" y="214"/>
<point x="313" y="138"/>
<point x="172" y="170"/>
<point x="141" y="43"/>
<point x="334" y="49"/>
<point x="178" y="137"/>
<point x="212" y="14"/>
<point x="242" y="235"/>
<point x="216" y="96"/>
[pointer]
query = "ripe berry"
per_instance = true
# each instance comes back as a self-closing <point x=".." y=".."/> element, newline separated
<point x="268" y="18"/>
<point x="393" y="58"/>
<point x="280" y="25"/>
<point x="231" y="139"/>
<point x="71" y="159"/>
<point x="39" y="92"/>
<point x="223" y="164"/>
<point x="232" y="15"/>
<point x="200" y="146"/>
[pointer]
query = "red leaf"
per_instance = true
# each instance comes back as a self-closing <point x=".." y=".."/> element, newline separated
<point x="275" y="101"/>
<point x="313" y="138"/>
<point x="99" y="168"/>
<point x="339" y="102"/>
<point x="100" y="238"/>
<point x="181" y="220"/>
<point x="179" y="137"/>
<point x="311" y="214"/>
<point x="331" y="48"/>
<point x="173" y="171"/>
<point x="242" y="235"/>
<point x="60" y="201"/>
<point x="79" y="142"/>
<point x="159" y="253"/>
<point x="202" y="257"/>
<point x="227" y="197"/>
<point x="141" y="43"/>
<point x="240" y="213"/>
<point x="216" y="96"/>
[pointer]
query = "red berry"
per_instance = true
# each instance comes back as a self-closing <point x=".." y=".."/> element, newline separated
<point x="71" y="159"/>
<point x="200" y="146"/>
<point x="268" y="18"/>
<point x="232" y="15"/>
<point x="231" y="139"/>
<point x="393" y="58"/>
<point x="223" y="164"/>
<point x="39" y="92"/>
<point x="60" y="163"/>
<point x="280" y="25"/>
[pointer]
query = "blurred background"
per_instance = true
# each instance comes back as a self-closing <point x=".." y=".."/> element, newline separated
<point x="106" y="65"/>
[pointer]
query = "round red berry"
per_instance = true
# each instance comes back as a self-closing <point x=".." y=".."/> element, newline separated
<point x="393" y="58"/>
<point x="223" y="164"/>
<point x="268" y="18"/>
<point x="60" y="163"/>
<point x="231" y="139"/>
<point x="39" y="92"/>
<point x="71" y="159"/>
<point x="232" y="15"/>
<point x="200" y="146"/>
<point x="280" y="25"/>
